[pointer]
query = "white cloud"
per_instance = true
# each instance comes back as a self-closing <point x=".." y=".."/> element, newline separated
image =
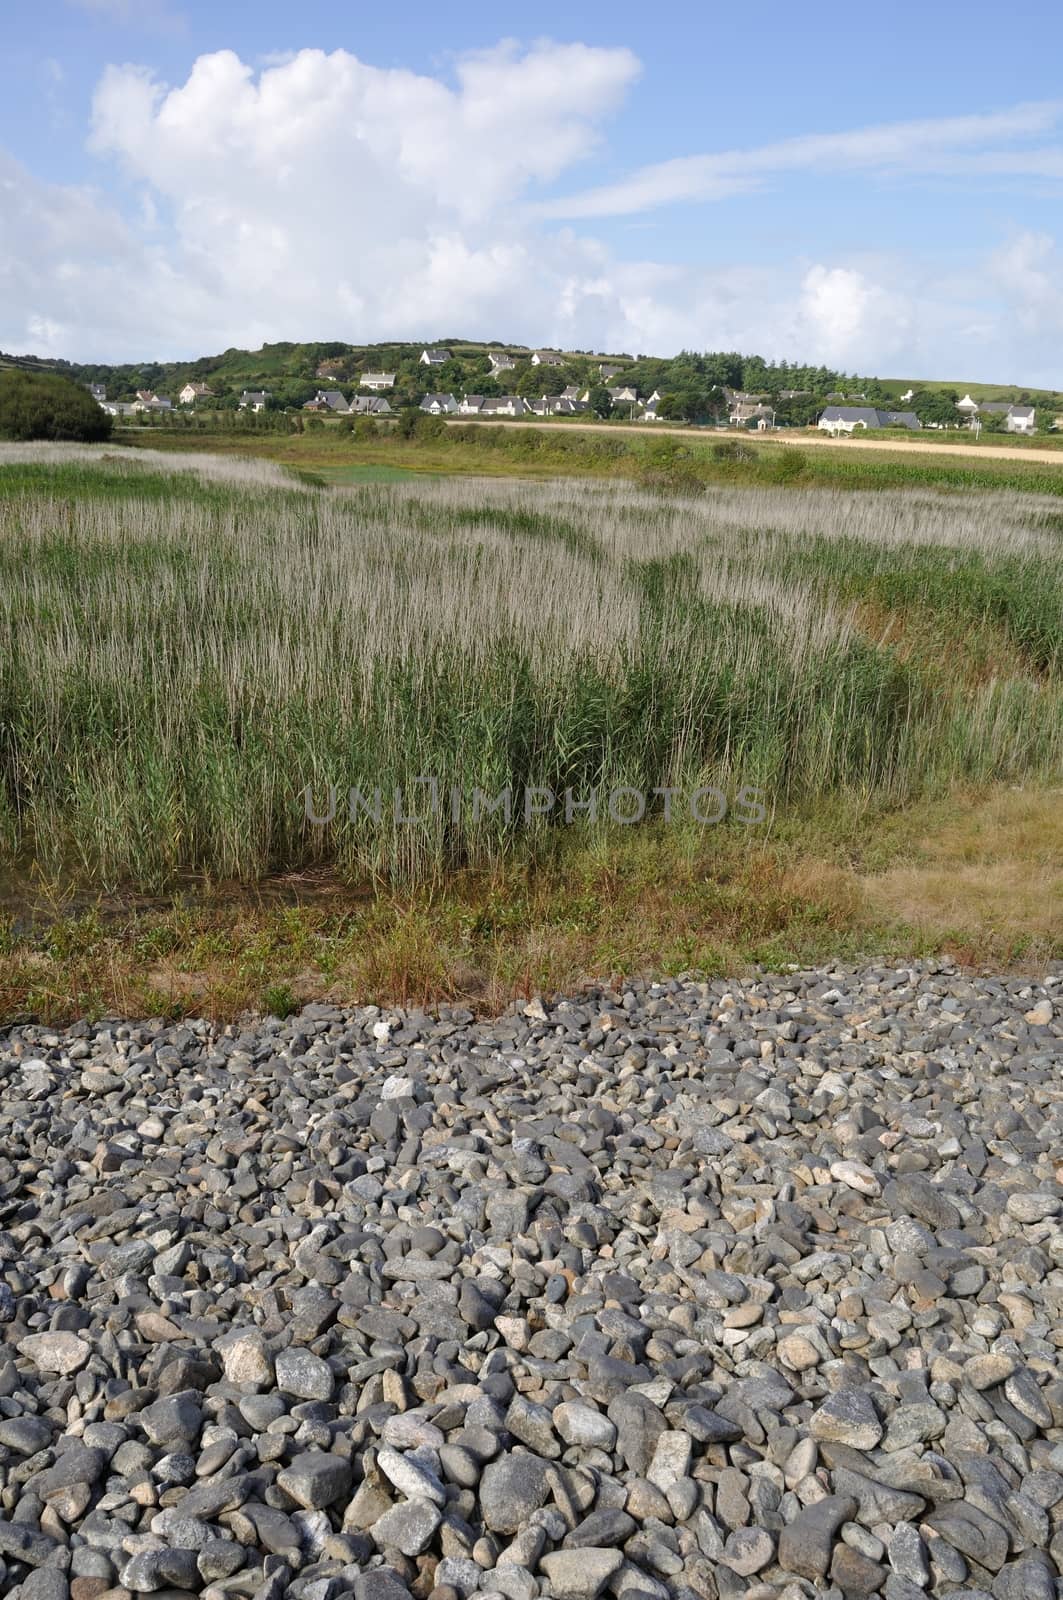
<point x="1029" y="271"/>
<point x="934" y="145"/>
<point x="152" y="16"/>
<point x="321" y="197"/>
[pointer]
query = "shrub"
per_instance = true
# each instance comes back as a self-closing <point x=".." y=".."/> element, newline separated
<point x="42" y="405"/>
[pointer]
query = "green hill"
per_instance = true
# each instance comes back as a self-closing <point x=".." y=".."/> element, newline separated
<point x="293" y="371"/>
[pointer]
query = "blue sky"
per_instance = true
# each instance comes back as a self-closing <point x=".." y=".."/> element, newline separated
<point x="878" y="191"/>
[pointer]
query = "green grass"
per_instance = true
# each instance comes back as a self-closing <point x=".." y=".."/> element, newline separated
<point x="186" y="641"/>
<point x="687" y="461"/>
<point x="175" y="670"/>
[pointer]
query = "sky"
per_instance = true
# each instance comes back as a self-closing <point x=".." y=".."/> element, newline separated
<point x="879" y="189"/>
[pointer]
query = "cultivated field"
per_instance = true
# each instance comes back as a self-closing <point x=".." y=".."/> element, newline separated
<point x="187" y="642"/>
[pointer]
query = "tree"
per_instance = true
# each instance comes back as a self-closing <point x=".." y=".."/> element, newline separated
<point x="936" y="407"/>
<point x="42" y="405"/>
<point x="600" y="401"/>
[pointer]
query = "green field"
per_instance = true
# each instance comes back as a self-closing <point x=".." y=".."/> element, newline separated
<point x="684" y="462"/>
<point x="187" y="642"/>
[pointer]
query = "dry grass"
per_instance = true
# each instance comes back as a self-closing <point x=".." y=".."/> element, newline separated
<point x="993" y="874"/>
<point x="978" y="877"/>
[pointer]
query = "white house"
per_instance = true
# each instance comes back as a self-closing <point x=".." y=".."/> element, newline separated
<point x="254" y="399"/>
<point x="369" y="405"/>
<point x="119" y="408"/>
<point x="847" y="419"/>
<point x="377" y="380"/>
<point x="500" y="362"/>
<point x="967" y="406"/>
<point x="98" y="392"/>
<point x="193" y="392"/>
<point x="439" y="405"/>
<point x="147" y="400"/>
<point x="506" y="405"/>
<point x="1017" y="419"/>
<point x="650" y="411"/>
<point x="433" y="358"/>
<point x="1021" y="419"/>
<point x="546" y="358"/>
<point x="471" y="405"/>
<point x="607" y="370"/>
<point x="625" y="394"/>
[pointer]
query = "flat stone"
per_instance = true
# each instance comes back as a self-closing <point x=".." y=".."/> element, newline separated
<point x="748" y="1550"/>
<point x="511" y="1489"/>
<point x="806" y="1543"/>
<point x="61" y="1353"/>
<point x="408" y="1527"/>
<point x="315" y="1479"/>
<point x="847" y="1417"/>
<point x="580" y="1574"/>
<point x="299" y="1372"/>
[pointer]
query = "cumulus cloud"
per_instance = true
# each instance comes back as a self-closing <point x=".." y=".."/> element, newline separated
<point x="321" y="197"/>
<point x="1029" y="270"/>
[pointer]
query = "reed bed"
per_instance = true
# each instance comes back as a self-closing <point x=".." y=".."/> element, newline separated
<point x="187" y="643"/>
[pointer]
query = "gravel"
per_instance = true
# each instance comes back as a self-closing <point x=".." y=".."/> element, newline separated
<point x="683" y="1290"/>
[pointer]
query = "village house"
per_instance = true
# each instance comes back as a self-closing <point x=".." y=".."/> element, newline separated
<point x="505" y="405"/>
<point x="624" y="394"/>
<point x="967" y="407"/>
<point x="328" y="400"/>
<point x="793" y="394"/>
<point x="607" y="370"/>
<point x="846" y="419"/>
<point x="546" y="358"/>
<point x="650" y="411"/>
<point x="193" y="392"/>
<point x="98" y="392"/>
<point x="148" y="400"/>
<point x="471" y="405"/>
<point x="500" y="362"/>
<point x="254" y="399"/>
<point x="1017" y="419"/>
<point x="119" y="408"/>
<point x="570" y="392"/>
<point x="332" y="367"/>
<point x="433" y="358"/>
<point x="377" y="380"/>
<point x="439" y="405"/>
<point x="369" y="405"/>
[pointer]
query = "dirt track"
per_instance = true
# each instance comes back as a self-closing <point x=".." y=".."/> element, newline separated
<point x="802" y="437"/>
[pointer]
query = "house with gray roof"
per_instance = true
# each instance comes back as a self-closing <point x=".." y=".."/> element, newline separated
<point x="433" y="358"/>
<point x="439" y="405"/>
<point x="504" y="405"/>
<point x="1017" y="419"/>
<point x="369" y="405"/>
<point x="846" y="419"/>
<point x="377" y="380"/>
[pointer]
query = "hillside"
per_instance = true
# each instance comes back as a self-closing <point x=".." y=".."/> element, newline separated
<point x="292" y="372"/>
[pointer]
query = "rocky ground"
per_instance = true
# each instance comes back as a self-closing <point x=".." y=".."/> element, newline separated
<point x="686" y="1291"/>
